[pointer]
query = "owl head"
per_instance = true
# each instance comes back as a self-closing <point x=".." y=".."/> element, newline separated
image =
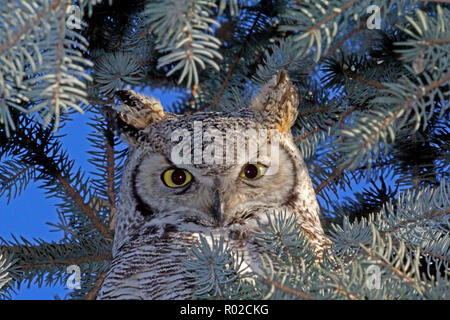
<point x="212" y="170"/>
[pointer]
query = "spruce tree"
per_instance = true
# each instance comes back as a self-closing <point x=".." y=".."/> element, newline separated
<point x="373" y="78"/>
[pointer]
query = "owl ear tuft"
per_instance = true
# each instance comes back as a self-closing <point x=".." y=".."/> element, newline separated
<point x="277" y="102"/>
<point x="137" y="113"/>
<point x="139" y="110"/>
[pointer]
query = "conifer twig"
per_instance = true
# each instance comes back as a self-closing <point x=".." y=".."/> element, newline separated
<point x="109" y="135"/>
<point x="287" y="289"/>
<point x="18" y="34"/>
<point x="51" y="168"/>
<point x="334" y="175"/>
<point x="235" y="62"/>
<point x="428" y="215"/>
<point x="78" y="199"/>
<point x="97" y="285"/>
<point x="51" y="262"/>
<point x="340" y="117"/>
<point x="338" y="45"/>
<point x="364" y="80"/>
<point x="395" y="270"/>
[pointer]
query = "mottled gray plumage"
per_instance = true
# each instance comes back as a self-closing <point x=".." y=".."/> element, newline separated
<point x="156" y="225"/>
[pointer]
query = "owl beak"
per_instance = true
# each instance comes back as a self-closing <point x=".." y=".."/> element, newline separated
<point x="217" y="208"/>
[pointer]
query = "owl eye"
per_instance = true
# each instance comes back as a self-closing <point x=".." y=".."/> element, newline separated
<point x="252" y="171"/>
<point x="176" y="178"/>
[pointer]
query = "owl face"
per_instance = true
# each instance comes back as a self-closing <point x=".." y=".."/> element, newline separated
<point x="211" y="170"/>
<point x="230" y="179"/>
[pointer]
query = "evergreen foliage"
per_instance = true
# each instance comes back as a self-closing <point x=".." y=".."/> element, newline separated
<point x="374" y="111"/>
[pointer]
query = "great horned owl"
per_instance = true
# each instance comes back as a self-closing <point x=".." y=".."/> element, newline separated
<point x="164" y="204"/>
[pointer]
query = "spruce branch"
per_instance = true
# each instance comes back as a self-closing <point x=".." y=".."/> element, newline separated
<point x="333" y="176"/>
<point x="338" y="45"/>
<point x="310" y="23"/>
<point x="97" y="285"/>
<point x="183" y="31"/>
<point x="79" y="201"/>
<point x="6" y="263"/>
<point x="391" y="112"/>
<point x="32" y="142"/>
<point x="384" y="261"/>
<point x="362" y="79"/>
<point x="39" y="260"/>
<point x="111" y="165"/>
<point x="235" y="62"/>
<point x="42" y="72"/>
<point x="33" y="256"/>
<point x="320" y="108"/>
<point x="340" y="118"/>
<point x="59" y="62"/>
<point x="291" y="291"/>
<point x="108" y="158"/>
<point x="19" y="33"/>
<point x="45" y="265"/>
<point x="433" y="214"/>
<point x="213" y="268"/>
<point x="14" y="178"/>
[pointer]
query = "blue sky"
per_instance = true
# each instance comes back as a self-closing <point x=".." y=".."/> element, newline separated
<point x="28" y="214"/>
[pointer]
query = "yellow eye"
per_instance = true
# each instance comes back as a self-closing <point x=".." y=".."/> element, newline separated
<point x="252" y="171"/>
<point x="176" y="178"/>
